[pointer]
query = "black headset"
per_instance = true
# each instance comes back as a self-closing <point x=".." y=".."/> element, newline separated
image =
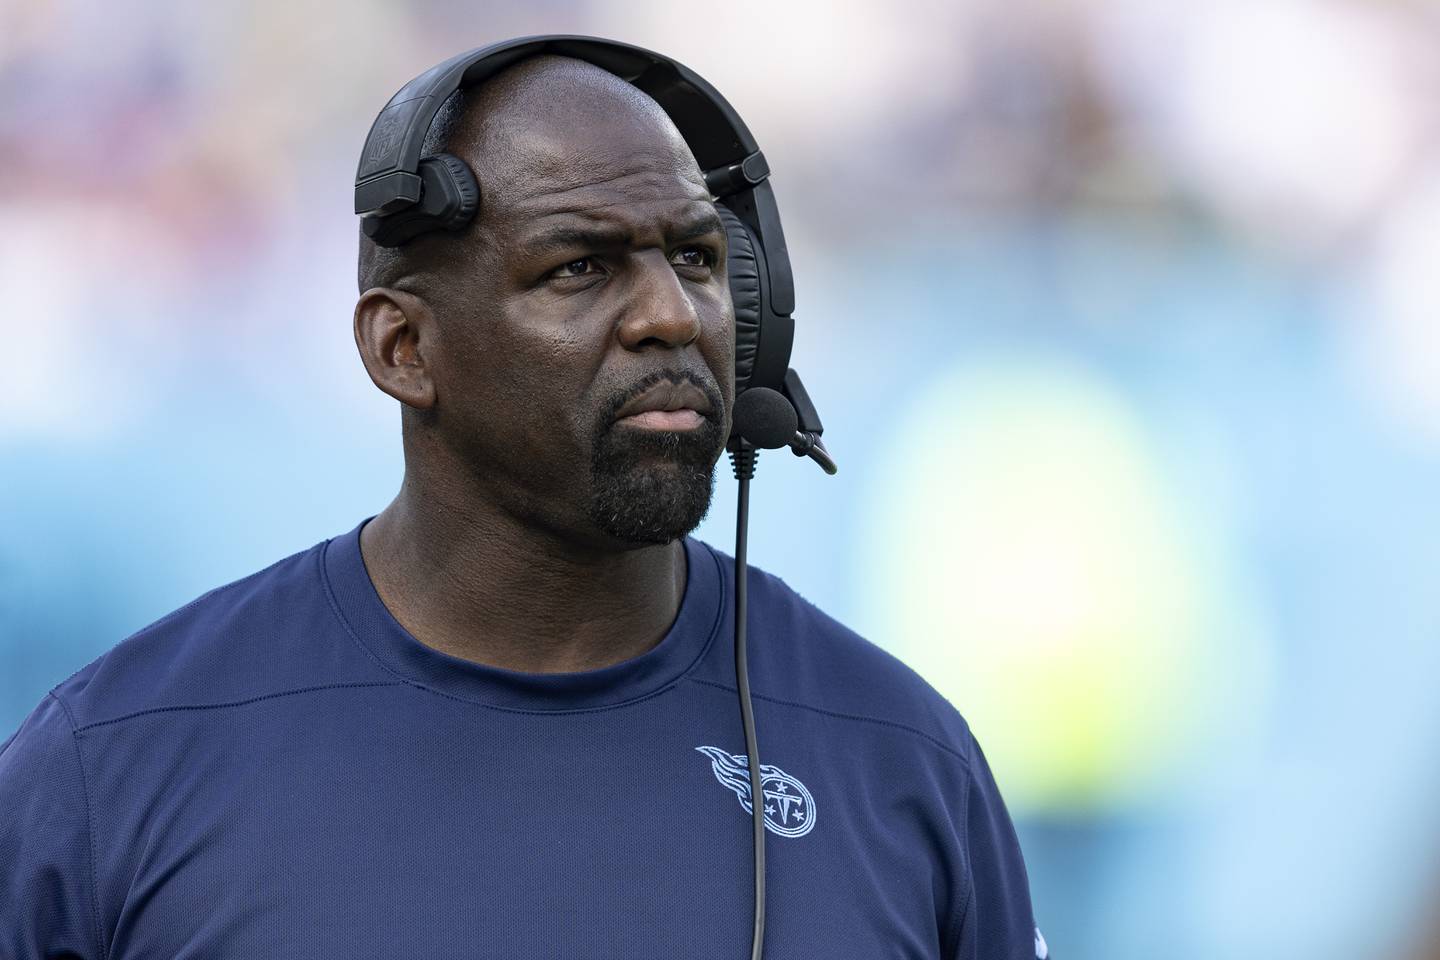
<point x="401" y="195"/>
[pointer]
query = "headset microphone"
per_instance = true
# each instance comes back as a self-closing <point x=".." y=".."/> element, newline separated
<point x="766" y="419"/>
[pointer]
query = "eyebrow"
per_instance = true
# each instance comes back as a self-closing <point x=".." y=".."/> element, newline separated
<point x="568" y="237"/>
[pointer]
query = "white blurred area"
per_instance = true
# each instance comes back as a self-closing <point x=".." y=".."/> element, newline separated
<point x="1121" y="316"/>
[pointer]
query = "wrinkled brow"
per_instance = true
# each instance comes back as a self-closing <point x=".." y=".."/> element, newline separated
<point x="594" y="236"/>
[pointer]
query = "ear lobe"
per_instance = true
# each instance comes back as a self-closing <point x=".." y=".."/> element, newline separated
<point x="393" y="331"/>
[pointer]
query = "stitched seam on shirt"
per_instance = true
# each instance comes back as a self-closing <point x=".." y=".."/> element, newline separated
<point x="540" y="713"/>
<point x="237" y="703"/>
<point x="89" y="829"/>
<point x="401" y="678"/>
<point x="847" y="716"/>
<point x="957" y="920"/>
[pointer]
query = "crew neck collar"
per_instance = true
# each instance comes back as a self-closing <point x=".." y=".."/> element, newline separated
<point x="367" y="618"/>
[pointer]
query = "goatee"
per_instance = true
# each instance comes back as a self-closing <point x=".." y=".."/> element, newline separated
<point x="654" y="486"/>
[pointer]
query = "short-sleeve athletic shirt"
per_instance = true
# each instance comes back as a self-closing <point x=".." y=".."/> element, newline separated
<point x="279" y="769"/>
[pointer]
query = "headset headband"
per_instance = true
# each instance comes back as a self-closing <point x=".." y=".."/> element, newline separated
<point x="387" y="180"/>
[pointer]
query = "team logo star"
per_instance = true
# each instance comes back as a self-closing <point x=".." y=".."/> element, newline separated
<point x="789" y="807"/>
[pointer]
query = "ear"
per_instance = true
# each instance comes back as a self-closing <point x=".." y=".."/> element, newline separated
<point x="393" y="331"/>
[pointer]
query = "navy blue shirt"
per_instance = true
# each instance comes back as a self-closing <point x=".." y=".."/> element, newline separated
<point x="279" y="769"/>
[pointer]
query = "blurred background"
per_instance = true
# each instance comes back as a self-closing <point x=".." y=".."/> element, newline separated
<point x="1121" y="316"/>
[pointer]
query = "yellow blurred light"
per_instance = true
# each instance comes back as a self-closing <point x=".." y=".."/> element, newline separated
<point x="1041" y="575"/>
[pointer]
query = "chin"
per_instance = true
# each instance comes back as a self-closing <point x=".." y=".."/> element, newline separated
<point x="653" y="488"/>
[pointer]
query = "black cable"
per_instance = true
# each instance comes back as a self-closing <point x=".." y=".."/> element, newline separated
<point x="743" y="459"/>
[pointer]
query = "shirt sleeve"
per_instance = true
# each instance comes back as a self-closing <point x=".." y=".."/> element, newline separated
<point x="46" y="898"/>
<point x="997" y="921"/>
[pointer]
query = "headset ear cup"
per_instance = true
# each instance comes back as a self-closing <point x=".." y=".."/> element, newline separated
<point x="744" y="270"/>
<point x="461" y="194"/>
<point x="449" y="199"/>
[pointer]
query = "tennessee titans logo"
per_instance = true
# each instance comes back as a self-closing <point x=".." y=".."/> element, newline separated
<point x="789" y="808"/>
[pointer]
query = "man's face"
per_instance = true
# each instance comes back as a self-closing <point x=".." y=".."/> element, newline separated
<point x="594" y="272"/>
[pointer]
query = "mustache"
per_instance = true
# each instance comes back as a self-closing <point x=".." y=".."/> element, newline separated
<point x="704" y="384"/>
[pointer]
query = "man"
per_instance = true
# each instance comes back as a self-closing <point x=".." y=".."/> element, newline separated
<point x="498" y="719"/>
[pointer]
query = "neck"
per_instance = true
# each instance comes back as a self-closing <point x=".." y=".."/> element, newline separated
<point x="475" y="582"/>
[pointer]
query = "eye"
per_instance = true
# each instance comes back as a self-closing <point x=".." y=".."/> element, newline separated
<point x="694" y="257"/>
<point x="575" y="268"/>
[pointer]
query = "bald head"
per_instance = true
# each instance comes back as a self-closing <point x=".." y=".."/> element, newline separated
<point x="517" y="132"/>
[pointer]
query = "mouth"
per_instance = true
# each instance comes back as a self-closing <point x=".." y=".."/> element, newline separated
<point x="685" y="418"/>
<point x="666" y="405"/>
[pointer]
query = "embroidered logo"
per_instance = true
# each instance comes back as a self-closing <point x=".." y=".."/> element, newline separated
<point x="789" y="808"/>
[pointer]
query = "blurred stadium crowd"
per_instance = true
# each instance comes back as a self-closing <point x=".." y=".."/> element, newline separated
<point x="1120" y="314"/>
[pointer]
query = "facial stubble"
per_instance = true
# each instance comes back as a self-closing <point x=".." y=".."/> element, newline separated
<point x="653" y="486"/>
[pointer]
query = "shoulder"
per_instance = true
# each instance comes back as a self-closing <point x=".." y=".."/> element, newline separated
<point x="237" y="641"/>
<point x="801" y="655"/>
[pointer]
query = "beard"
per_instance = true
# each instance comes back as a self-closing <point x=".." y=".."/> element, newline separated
<point x="654" y="486"/>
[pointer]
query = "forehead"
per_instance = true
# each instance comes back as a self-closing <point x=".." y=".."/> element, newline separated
<point x="593" y="170"/>
<point x="554" y="136"/>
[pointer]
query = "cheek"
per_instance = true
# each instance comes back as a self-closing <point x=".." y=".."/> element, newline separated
<point x="519" y="387"/>
<point x="506" y="380"/>
<point x="718" y="345"/>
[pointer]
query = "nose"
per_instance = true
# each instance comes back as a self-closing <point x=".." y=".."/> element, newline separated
<point x="658" y="311"/>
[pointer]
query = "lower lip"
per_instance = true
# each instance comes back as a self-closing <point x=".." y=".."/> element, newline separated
<point x="685" y="419"/>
